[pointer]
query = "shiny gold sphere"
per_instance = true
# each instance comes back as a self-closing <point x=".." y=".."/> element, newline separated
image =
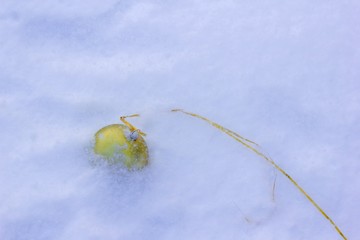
<point x="117" y="144"/>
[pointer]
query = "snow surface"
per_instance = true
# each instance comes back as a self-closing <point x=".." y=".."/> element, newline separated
<point x="282" y="73"/>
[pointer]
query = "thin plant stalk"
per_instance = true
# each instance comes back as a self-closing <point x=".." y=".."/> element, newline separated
<point x="252" y="146"/>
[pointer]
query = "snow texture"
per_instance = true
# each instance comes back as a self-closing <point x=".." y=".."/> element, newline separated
<point x="282" y="73"/>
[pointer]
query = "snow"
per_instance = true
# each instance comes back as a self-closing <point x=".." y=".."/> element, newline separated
<point x="284" y="74"/>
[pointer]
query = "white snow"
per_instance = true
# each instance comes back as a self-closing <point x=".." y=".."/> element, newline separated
<point x="282" y="73"/>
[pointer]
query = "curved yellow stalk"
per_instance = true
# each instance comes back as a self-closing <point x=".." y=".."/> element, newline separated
<point x="251" y="145"/>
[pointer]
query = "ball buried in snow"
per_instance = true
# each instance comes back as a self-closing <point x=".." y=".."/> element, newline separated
<point x="118" y="145"/>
